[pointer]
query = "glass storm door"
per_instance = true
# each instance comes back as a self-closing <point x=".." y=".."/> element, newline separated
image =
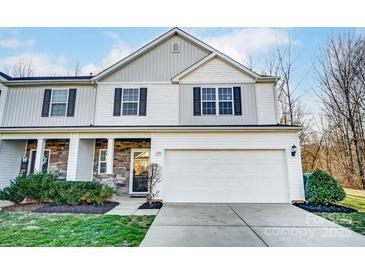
<point x="140" y="160"/>
<point x="45" y="164"/>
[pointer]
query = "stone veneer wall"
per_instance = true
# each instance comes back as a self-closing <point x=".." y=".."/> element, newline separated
<point x="59" y="155"/>
<point x="121" y="163"/>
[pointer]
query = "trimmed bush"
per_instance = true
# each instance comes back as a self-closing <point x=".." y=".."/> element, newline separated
<point x="44" y="187"/>
<point x="12" y="193"/>
<point x="323" y="189"/>
<point x="73" y="193"/>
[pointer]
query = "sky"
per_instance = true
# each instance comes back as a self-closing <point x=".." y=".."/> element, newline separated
<point x="57" y="51"/>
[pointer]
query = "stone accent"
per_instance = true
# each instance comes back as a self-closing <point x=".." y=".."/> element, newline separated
<point x="121" y="163"/>
<point x="59" y="155"/>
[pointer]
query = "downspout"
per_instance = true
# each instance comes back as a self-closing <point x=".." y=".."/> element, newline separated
<point x="94" y="107"/>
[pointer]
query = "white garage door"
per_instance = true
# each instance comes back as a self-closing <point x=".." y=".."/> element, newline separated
<point x="220" y="176"/>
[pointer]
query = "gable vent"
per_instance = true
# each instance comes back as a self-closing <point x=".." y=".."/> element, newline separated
<point x="175" y="47"/>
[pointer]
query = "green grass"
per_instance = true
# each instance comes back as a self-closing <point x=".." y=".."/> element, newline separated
<point x="354" y="199"/>
<point x="35" y="229"/>
<point x="354" y="221"/>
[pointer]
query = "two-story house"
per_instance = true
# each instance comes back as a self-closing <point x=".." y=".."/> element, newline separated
<point x="207" y="120"/>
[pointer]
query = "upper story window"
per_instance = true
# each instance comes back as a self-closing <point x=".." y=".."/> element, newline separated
<point x="217" y="101"/>
<point x="130" y="101"/>
<point x="59" y="100"/>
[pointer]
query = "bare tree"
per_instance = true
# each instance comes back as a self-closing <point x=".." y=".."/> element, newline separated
<point x="154" y="178"/>
<point x="339" y="74"/>
<point x="77" y="69"/>
<point x="22" y="68"/>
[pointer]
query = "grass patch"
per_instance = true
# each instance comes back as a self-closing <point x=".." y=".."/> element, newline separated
<point x="35" y="229"/>
<point x="354" y="221"/>
<point x="355" y="199"/>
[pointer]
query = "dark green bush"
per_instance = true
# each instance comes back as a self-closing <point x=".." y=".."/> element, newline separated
<point x="323" y="189"/>
<point x="44" y="187"/>
<point x="73" y="193"/>
<point x="12" y="193"/>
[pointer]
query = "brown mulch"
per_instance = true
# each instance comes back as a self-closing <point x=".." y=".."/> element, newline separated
<point x="27" y="207"/>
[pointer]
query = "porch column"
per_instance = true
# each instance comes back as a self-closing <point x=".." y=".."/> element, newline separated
<point x="110" y="156"/>
<point x="38" y="163"/>
<point x="73" y="154"/>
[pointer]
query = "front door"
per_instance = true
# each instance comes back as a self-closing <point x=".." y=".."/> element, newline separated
<point x="140" y="160"/>
<point x="45" y="160"/>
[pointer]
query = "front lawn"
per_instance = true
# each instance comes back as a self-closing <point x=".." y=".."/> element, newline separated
<point x="354" y="199"/>
<point x="354" y="221"/>
<point x="35" y="229"/>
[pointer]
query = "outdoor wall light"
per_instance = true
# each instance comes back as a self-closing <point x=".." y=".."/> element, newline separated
<point x="293" y="150"/>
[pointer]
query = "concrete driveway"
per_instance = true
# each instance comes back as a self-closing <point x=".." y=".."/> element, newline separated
<point x="245" y="225"/>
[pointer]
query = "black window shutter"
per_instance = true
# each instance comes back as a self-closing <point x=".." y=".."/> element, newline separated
<point x="142" y="101"/>
<point x="237" y="100"/>
<point x="46" y="102"/>
<point x="71" y="102"/>
<point x="117" y="101"/>
<point x="197" y="111"/>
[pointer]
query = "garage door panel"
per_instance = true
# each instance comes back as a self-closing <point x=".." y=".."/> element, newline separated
<point x="225" y="176"/>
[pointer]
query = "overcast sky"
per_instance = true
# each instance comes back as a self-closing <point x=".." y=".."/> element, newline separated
<point x="56" y="51"/>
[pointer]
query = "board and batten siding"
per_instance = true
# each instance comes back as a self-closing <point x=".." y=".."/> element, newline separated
<point x="85" y="160"/>
<point x="24" y="107"/>
<point x="160" y="142"/>
<point x="248" y="105"/>
<point x="11" y="153"/>
<point x="162" y="105"/>
<point x="218" y="71"/>
<point x="266" y="104"/>
<point x="160" y="63"/>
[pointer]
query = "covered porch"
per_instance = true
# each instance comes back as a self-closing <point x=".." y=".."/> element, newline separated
<point x="79" y="158"/>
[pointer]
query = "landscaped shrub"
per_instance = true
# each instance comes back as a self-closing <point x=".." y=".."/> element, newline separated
<point x="323" y="189"/>
<point x="12" y="193"/>
<point x="44" y="187"/>
<point x="73" y="193"/>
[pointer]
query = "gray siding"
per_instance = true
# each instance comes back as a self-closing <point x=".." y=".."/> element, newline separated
<point x="85" y="160"/>
<point x="249" y="112"/>
<point x="24" y="107"/>
<point x="160" y="64"/>
<point x="11" y="153"/>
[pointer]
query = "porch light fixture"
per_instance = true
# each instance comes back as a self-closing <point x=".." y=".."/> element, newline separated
<point x="293" y="150"/>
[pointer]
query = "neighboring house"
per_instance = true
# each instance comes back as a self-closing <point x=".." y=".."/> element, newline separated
<point x="208" y="121"/>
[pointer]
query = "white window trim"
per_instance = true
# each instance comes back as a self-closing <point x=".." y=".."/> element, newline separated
<point x="216" y="101"/>
<point x="51" y="103"/>
<point x="122" y="101"/>
<point x="99" y="161"/>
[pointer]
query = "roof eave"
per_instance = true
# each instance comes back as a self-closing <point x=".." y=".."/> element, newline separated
<point x="45" y="82"/>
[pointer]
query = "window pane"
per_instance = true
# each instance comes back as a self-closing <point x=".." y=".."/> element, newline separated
<point x="102" y="168"/>
<point x="225" y="93"/>
<point x="225" y="108"/>
<point x="130" y="95"/>
<point x="103" y="154"/>
<point x="59" y="96"/>
<point x="130" y="108"/>
<point x="208" y="94"/>
<point x="208" y="107"/>
<point x="58" y="110"/>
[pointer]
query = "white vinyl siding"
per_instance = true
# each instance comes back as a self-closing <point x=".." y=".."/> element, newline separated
<point x="162" y="106"/>
<point x="218" y="71"/>
<point x="234" y="141"/>
<point x="85" y="162"/>
<point x="11" y="153"/>
<point x="160" y="63"/>
<point x="266" y="104"/>
<point x="24" y="107"/>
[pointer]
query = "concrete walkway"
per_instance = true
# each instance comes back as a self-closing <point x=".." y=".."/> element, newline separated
<point x="245" y="225"/>
<point x="129" y="206"/>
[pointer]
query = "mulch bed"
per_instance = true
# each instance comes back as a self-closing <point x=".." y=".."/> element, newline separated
<point x="332" y="208"/>
<point x="78" y="209"/>
<point x="155" y="205"/>
<point x="27" y="207"/>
